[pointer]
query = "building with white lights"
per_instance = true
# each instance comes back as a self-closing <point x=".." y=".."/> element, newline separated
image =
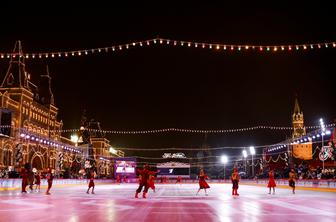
<point x="30" y="131"/>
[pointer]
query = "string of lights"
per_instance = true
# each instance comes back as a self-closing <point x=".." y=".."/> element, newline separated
<point x="199" y="131"/>
<point x="179" y="130"/>
<point x="163" y="41"/>
<point x="249" y="47"/>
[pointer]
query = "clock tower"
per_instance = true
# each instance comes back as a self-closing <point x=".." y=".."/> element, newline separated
<point x="297" y="120"/>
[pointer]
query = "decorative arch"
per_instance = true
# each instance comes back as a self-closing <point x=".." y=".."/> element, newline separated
<point x="37" y="161"/>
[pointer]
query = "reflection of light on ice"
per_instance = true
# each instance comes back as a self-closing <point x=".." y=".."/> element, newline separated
<point x="74" y="218"/>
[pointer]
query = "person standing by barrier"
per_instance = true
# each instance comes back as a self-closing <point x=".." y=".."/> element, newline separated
<point x="202" y="183"/>
<point x="271" y="182"/>
<point x="291" y="179"/>
<point x="118" y="179"/>
<point x="235" y="182"/>
<point x="179" y="180"/>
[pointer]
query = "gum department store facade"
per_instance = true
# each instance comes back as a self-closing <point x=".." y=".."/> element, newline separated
<point x="29" y="129"/>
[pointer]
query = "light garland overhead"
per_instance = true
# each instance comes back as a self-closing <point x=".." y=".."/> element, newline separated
<point x="198" y="131"/>
<point x="162" y="41"/>
<point x="179" y="130"/>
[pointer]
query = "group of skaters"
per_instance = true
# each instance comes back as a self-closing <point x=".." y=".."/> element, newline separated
<point x="146" y="181"/>
<point x="32" y="177"/>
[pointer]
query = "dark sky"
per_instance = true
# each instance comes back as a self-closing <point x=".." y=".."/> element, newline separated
<point x="162" y="87"/>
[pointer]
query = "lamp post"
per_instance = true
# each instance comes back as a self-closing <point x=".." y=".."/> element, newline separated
<point x="252" y="151"/>
<point x="245" y="156"/>
<point x="322" y="134"/>
<point x="224" y="161"/>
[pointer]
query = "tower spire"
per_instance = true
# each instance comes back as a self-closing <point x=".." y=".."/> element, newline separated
<point x="46" y="88"/>
<point x="16" y="75"/>
<point x="296" y="105"/>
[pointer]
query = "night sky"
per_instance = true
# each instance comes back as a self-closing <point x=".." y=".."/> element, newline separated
<point x="162" y="87"/>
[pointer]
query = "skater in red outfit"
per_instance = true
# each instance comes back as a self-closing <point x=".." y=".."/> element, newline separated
<point x="118" y="179"/>
<point x="271" y="182"/>
<point x="124" y="179"/>
<point x="235" y="180"/>
<point x="91" y="183"/>
<point x="143" y="182"/>
<point x="202" y="183"/>
<point x="37" y="181"/>
<point x="50" y="178"/>
<point x="24" y="175"/>
<point x="151" y="181"/>
<point x="179" y="180"/>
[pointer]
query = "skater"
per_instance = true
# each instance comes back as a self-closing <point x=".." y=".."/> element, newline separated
<point x="37" y="181"/>
<point x="31" y="177"/>
<point x="91" y="183"/>
<point x="124" y="179"/>
<point x="235" y="181"/>
<point x="24" y="175"/>
<point x="291" y="179"/>
<point x="202" y="183"/>
<point x="271" y="182"/>
<point x="143" y="181"/>
<point x="50" y="178"/>
<point x="179" y="180"/>
<point x="151" y="181"/>
<point x="118" y="179"/>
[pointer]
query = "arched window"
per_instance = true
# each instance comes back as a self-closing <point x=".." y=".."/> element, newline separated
<point x="7" y="157"/>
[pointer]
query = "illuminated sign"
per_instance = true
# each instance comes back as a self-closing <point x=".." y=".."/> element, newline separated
<point x="174" y="155"/>
<point x="125" y="166"/>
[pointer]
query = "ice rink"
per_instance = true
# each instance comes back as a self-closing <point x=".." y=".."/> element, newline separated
<point x="170" y="202"/>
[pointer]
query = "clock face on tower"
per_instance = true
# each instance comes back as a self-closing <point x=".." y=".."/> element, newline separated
<point x="300" y="131"/>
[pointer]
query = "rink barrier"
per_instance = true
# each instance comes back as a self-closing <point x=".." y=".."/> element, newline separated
<point x="12" y="184"/>
<point x="16" y="183"/>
